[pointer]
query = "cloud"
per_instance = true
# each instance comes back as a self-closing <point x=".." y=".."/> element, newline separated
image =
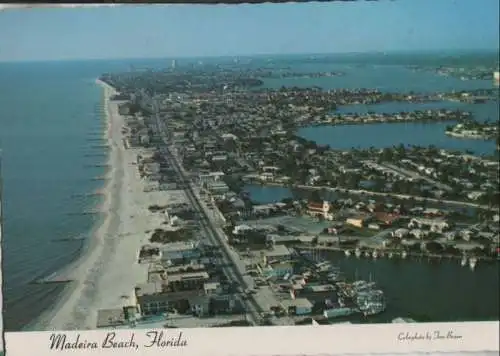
<point x="26" y="6"/>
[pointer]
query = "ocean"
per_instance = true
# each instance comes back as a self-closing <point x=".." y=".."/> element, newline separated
<point x="47" y="112"/>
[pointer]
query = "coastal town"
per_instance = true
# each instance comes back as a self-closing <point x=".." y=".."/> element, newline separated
<point x="213" y="256"/>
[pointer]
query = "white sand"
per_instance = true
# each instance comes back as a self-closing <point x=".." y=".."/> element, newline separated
<point x="109" y="268"/>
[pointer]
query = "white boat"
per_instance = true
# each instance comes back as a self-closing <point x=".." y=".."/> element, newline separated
<point x="404" y="254"/>
<point x="463" y="262"/>
<point x="357" y="252"/>
<point x="389" y="255"/>
<point x="367" y="254"/>
<point x="347" y="253"/>
<point x="472" y="262"/>
<point x="374" y="254"/>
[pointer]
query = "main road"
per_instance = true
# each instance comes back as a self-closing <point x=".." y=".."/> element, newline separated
<point x="233" y="268"/>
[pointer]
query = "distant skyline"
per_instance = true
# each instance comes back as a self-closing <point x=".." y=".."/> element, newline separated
<point x="159" y="31"/>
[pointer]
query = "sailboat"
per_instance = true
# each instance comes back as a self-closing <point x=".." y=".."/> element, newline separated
<point x="472" y="262"/>
<point x="463" y="262"/>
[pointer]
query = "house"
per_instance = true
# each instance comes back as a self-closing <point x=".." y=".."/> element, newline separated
<point x="450" y="235"/>
<point x="474" y="195"/>
<point x="417" y="233"/>
<point x="386" y="218"/>
<point x="320" y="210"/>
<point x="358" y="221"/>
<point x="374" y="226"/>
<point x="401" y="233"/>
<point x="434" y="225"/>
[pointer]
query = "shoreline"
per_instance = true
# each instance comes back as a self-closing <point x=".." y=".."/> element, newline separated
<point x="61" y="312"/>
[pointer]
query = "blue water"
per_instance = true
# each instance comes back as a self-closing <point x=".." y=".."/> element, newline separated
<point x="267" y="195"/>
<point x="47" y="111"/>
<point x="390" y="134"/>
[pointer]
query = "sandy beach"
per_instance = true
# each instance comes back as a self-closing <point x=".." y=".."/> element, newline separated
<point x="108" y="270"/>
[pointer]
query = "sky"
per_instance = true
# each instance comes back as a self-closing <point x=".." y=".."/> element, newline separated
<point x="161" y="31"/>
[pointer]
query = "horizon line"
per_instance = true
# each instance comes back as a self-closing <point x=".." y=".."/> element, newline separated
<point x="168" y="57"/>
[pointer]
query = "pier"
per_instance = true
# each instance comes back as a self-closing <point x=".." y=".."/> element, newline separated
<point x="96" y="139"/>
<point x="97" y="166"/>
<point x="95" y="155"/>
<point x="100" y="178"/>
<point x="85" y="195"/>
<point x="86" y="212"/>
<point x="106" y="147"/>
<point x="66" y="239"/>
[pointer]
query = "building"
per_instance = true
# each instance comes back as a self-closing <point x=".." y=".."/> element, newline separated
<point x="187" y="280"/>
<point x="298" y="306"/>
<point x="358" y="221"/>
<point x="153" y="299"/>
<point x="386" y="218"/>
<point x="180" y="251"/>
<point x="277" y="270"/>
<point x="320" y="210"/>
<point x="211" y="177"/>
<point x="434" y="225"/>
<point x="218" y="187"/>
<point x="278" y="253"/>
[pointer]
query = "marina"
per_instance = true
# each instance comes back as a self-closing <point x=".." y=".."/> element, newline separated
<point x="399" y="254"/>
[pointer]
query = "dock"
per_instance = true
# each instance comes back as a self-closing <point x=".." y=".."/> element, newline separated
<point x="389" y="253"/>
<point x="84" y="195"/>
<point x="86" y="212"/>
<point x="95" y="155"/>
<point x="97" y="166"/>
<point x="106" y="147"/>
<point x="66" y="239"/>
<point x="100" y="178"/>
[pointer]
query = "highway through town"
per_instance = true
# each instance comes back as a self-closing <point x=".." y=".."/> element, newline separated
<point x="232" y="268"/>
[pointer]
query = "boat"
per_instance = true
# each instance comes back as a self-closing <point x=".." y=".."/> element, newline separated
<point x="373" y="308"/>
<point x="347" y="253"/>
<point x="472" y="263"/>
<point x="357" y="252"/>
<point x="338" y="312"/>
<point x="367" y="254"/>
<point x="374" y="254"/>
<point x="389" y="255"/>
<point x="463" y="262"/>
<point x="404" y="254"/>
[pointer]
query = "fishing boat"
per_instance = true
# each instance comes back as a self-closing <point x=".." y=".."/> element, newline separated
<point x="472" y="262"/>
<point x="357" y="252"/>
<point x="463" y="262"/>
<point x="347" y="253"/>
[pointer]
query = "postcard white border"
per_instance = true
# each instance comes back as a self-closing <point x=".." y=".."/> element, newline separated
<point x="283" y="341"/>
